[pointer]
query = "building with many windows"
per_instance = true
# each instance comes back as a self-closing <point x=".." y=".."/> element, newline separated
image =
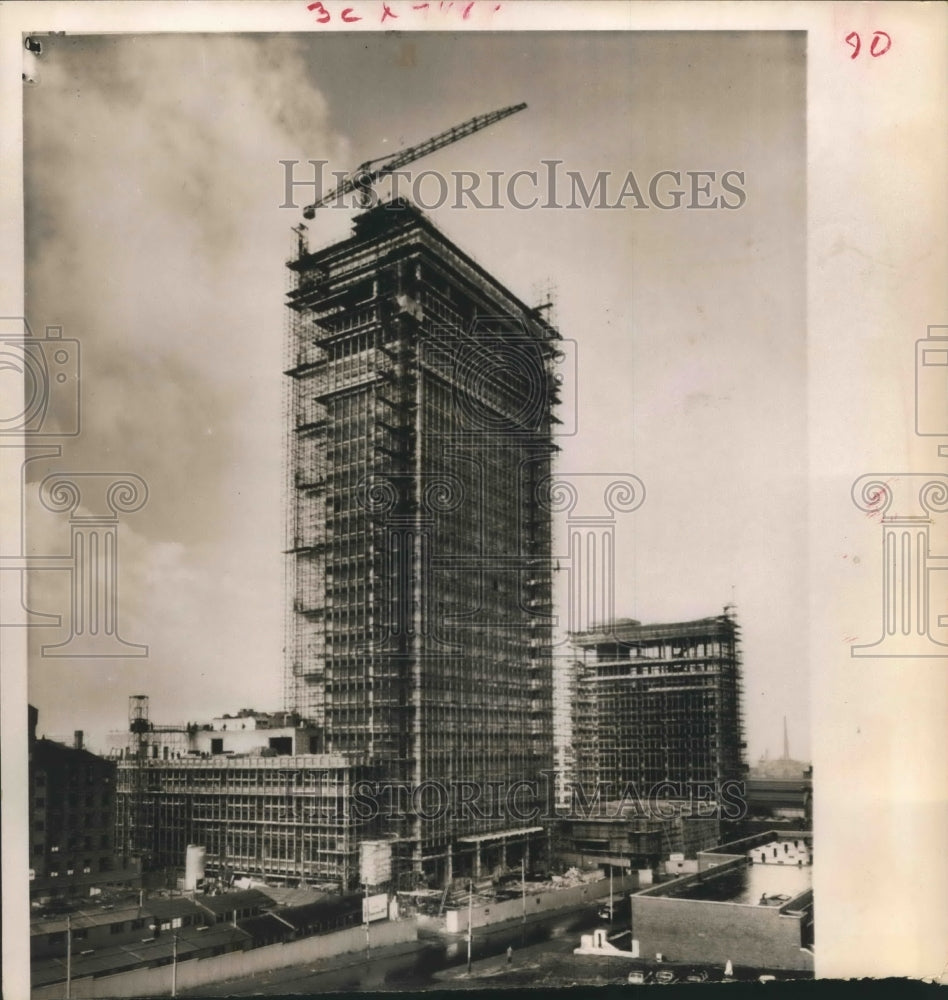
<point x="246" y="789"/>
<point x="72" y="819"/>
<point x="658" y="706"/>
<point x="420" y="449"/>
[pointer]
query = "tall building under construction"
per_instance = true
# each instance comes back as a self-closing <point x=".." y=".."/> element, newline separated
<point x="658" y="706"/>
<point x="420" y="592"/>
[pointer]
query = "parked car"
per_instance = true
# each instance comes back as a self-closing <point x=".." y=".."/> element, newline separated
<point x="666" y="977"/>
<point x="621" y="909"/>
<point x="697" y="977"/>
<point x="636" y="977"/>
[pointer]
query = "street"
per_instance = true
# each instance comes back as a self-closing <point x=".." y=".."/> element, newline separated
<point x="553" y="936"/>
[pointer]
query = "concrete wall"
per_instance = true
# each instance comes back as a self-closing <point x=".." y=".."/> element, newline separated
<point x="197" y="972"/>
<point x="538" y="902"/>
<point x="704" y="931"/>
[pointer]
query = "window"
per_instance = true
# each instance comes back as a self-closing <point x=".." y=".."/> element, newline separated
<point x="118" y="928"/>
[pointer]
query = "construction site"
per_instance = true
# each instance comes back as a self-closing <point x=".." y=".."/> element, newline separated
<point x="419" y="444"/>
<point x="654" y="704"/>
<point x="419" y="438"/>
<point x="250" y="793"/>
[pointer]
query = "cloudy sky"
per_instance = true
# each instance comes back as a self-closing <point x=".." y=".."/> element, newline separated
<point x="155" y="238"/>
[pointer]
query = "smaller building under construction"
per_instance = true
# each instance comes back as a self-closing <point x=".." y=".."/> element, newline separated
<point x="248" y="788"/>
<point x="657" y="705"/>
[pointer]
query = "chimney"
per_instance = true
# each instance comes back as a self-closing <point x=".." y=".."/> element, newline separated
<point x="77" y="739"/>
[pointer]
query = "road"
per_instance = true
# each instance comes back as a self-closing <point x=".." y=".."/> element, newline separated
<point x="551" y="936"/>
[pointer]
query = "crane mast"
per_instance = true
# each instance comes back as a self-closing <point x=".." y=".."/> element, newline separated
<point x="366" y="174"/>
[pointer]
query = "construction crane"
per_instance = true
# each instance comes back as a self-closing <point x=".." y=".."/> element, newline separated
<point x="366" y="174"/>
<point x="138" y="727"/>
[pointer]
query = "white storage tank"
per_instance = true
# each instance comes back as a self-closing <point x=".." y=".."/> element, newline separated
<point x="194" y="866"/>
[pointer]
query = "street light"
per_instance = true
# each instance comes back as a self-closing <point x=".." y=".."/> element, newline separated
<point x="470" y="923"/>
<point x="68" y="956"/>
<point x="174" y="964"/>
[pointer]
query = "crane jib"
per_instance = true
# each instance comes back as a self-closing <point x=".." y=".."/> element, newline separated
<point x="367" y="173"/>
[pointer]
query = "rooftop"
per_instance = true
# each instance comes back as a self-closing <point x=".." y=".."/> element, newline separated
<point x="631" y="631"/>
<point x="229" y="901"/>
<point x="129" y="956"/>
<point x="748" y="884"/>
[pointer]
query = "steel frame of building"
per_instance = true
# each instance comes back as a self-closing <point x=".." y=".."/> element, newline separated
<point x="419" y="587"/>
<point x="285" y="819"/>
<point x="658" y="703"/>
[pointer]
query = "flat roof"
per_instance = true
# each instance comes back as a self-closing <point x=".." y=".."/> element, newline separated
<point x="236" y="761"/>
<point x="399" y="219"/>
<point x="126" y="956"/>
<point x="83" y="919"/>
<point x="476" y="838"/>
<point x="626" y="631"/>
<point x="746" y="884"/>
<point x="233" y="900"/>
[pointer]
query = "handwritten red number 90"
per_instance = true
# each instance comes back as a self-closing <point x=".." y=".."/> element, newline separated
<point x="880" y="44"/>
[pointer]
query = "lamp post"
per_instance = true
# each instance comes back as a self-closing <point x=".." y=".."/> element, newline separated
<point x="174" y="964"/>
<point x="470" y="923"/>
<point x="68" y="956"/>
<point x="365" y="918"/>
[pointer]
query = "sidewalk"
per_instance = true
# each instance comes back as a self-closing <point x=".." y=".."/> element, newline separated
<point x="523" y="962"/>
<point x="289" y="973"/>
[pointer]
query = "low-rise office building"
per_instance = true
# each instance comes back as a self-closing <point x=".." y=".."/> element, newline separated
<point x="750" y="903"/>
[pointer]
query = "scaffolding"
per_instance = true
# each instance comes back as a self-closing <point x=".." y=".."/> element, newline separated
<point x="282" y="819"/>
<point x="659" y="703"/>
<point x="419" y="592"/>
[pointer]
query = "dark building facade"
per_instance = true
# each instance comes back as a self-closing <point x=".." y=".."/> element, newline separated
<point x="658" y="705"/>
<point x="72" y="819"/>
<point x="420" y="446"/>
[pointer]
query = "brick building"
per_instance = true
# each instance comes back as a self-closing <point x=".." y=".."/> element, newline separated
<point x="72" y="819"/>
